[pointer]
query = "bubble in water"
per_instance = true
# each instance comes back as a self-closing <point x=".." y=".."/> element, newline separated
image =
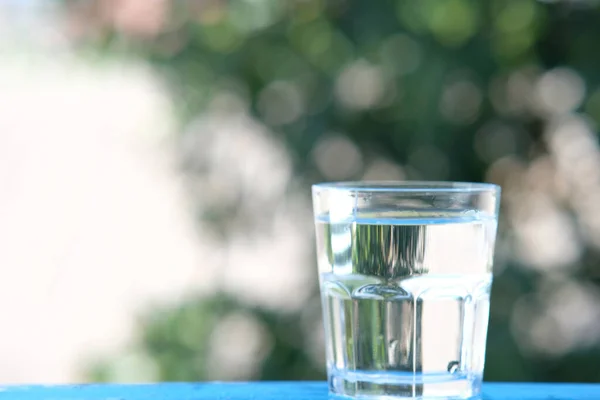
<point x="453" y="366"/>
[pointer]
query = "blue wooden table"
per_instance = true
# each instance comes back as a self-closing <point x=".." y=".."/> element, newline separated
<point x="271" y="391"/>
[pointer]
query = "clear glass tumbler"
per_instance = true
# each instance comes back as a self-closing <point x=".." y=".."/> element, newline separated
<point x="405" y="270"/>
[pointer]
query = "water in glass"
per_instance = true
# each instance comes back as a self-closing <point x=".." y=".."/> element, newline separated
<point x="406" y="302"/>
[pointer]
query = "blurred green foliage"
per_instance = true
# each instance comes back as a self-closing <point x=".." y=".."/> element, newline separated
<point x="413" y="82"/>
<point x="177" y="341"/>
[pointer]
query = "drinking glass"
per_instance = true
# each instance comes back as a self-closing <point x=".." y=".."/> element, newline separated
<point x="405" y="271"/>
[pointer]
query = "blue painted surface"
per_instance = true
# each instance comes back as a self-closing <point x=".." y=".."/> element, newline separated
<point x="271" y="391"/>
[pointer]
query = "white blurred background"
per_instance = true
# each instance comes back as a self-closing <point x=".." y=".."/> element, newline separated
<point x="94" y="221"/>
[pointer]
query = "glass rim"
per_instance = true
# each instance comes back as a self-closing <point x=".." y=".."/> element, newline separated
<point x="439" y="187"/>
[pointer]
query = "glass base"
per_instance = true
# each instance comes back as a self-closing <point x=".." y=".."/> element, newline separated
<point x="398" y="385"/>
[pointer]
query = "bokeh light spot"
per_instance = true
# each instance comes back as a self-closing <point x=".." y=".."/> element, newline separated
<point x="238" y="344"/>
<point x="547" y="238"/>
<point x="360" y="86"/>
<point x="559" y="90"/>
<point x="453" y="22"/>
<point x="461" y="101"/>
<point x="280" y="103"/>
<point x="222" y="37"/>
<point x="382" y="169"/>
<point x="400" y="54"/>
<point x="337" y="157"/>
<point x="516" y="15"/>
<point x="251" y="15"/>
